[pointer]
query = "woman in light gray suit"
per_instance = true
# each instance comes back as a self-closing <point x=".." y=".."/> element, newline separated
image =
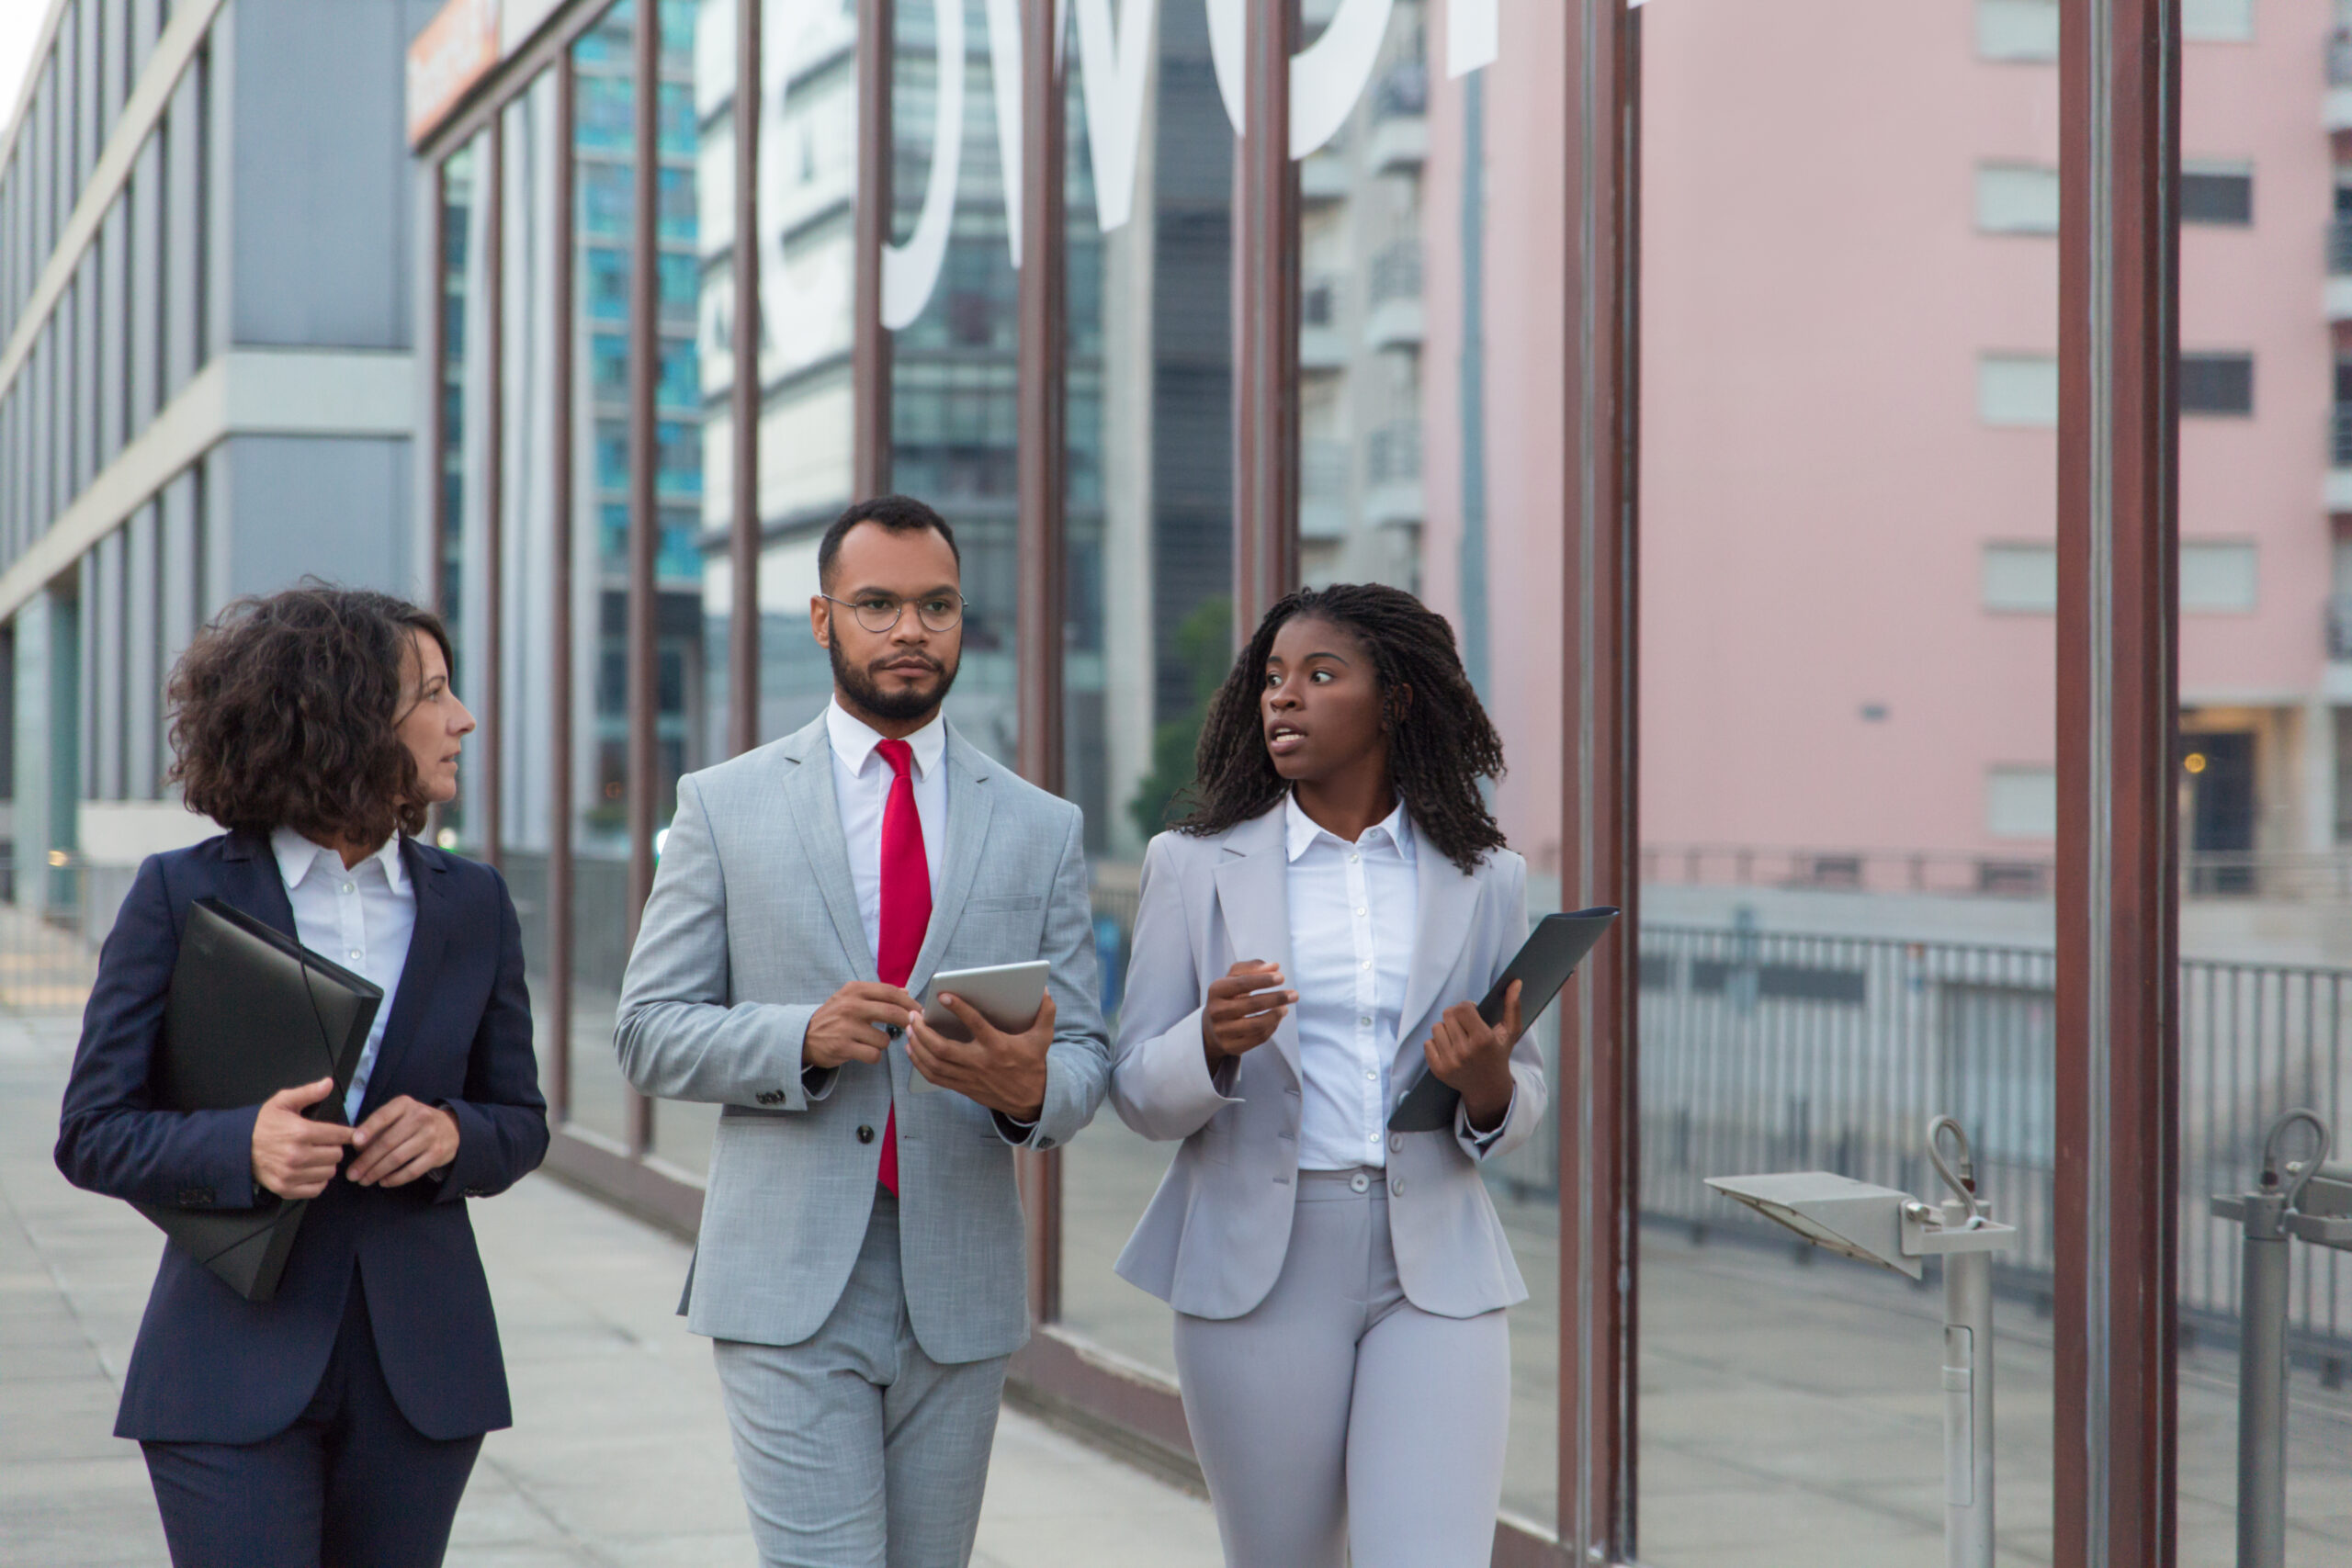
<point x="1341" y="893"/>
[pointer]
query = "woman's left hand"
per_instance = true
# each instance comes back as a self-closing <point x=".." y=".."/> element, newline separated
<point x="405" y="1139"/>
<point x="1470" y="1055"/>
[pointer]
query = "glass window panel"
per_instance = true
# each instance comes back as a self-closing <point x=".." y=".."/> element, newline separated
<point x="1149" y="548"/>
<point x="463" y="391"/>
<point x="604" y="153"/>
<point x="527" y="652"/>
<point x="2265" y="752"/>
<point x="1848" y="795"/>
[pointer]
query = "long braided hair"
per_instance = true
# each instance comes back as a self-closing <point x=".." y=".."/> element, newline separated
<point x="1440" y="742"/>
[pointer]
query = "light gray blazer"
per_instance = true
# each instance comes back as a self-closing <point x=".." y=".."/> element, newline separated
<point x="1215" y="1233"/>
<point x="753" y="923"/>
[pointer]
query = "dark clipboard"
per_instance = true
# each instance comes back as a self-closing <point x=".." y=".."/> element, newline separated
<point x="1544" y="963"/>
<point x="252" y="1011"/>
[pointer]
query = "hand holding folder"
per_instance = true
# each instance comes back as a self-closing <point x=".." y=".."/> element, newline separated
<point x="1540" y="969"/>
<point x="252" y="1013"/>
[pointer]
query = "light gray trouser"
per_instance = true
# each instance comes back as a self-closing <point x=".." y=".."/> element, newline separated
<point x="855" y="1449"/>
<point x="1337" y="1412"/>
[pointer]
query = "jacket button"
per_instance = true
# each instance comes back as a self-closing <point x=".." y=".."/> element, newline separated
<point x="1396" y="1187"/>
<point x="864" y="1134"/>
<point x="1395" y="1142"/>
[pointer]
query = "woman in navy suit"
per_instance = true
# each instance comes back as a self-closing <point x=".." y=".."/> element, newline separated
<point x="335" y="1424"/>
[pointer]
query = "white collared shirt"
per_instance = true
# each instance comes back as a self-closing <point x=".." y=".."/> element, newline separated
<point x="1352" y="909"/>
<point x="862" y="789"/>
<point x="361" y="917"/>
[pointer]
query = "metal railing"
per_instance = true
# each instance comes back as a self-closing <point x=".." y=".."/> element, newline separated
<point x="2339" y="245"/>
<point x="2339" y="436"/>
<point x="47" y="958"/>
<point x="2298" y="876"/>
<point x="2339" y="58"/>
<point x="1393" y="455"/>
<point x="1769" y="1052"/>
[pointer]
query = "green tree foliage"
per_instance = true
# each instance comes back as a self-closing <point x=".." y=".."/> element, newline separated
<point x="1205" y="648"/>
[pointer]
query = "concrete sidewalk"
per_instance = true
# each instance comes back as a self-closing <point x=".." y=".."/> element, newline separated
<point x="619" y="1454"/>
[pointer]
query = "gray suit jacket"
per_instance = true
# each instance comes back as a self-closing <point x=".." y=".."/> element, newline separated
<point x="1215" y="1233"/>
<point x="752" y="924"/>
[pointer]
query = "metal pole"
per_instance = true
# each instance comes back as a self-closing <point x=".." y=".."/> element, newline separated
<point x="2262" y="1384"/>
<point x="1968" y="1401"/>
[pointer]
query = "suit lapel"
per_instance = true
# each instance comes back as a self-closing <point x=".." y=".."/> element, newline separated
<point x="425" y="942"/>
<point x="970" y="804"/>
<point x="253" y="883"/>
<point x="1253" y="891"/>
<point x="817" y="816"/>
<point x="1444" y="899"/>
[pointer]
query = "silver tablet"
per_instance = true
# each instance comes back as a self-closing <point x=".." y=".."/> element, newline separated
<point x="1007" y="995"/>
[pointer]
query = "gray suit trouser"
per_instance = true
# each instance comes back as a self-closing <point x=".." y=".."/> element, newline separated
<point x="855" y="1449"/>
<point x="1336" y="1411"/>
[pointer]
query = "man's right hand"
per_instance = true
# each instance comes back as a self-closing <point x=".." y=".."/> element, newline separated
<point x="1243" y="1010"/>
<point x="850" y="1026"/>
<point x="293" y="1156"/>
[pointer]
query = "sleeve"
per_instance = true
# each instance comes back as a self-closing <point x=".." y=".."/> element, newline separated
<point x="1529" y="1095"/>
<point x="501" y="1120"/>
<point x="111" y="1137"/>
<point x="1160" y="1082"/>
<point x="1077" y="1063"/>
<point x="679" y="1036"/>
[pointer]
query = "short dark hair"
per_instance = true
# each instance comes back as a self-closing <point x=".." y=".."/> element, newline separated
<point x="899" y="513"/>
<point x="285" y="711"/>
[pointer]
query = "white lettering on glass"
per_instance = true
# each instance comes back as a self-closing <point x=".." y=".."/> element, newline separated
<point x="910" y="271"/>
<point x="1325" y="78"/>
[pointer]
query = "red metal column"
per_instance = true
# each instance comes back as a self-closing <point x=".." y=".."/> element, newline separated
<point x="644" y="516"/>
<point x="869" y="343"/>
<point x="1599" y="837"/>
<point x="744" y="542"/>
<point x="2118" y="1078"/>
<point x="1041" y="420"/>
<point x="1265" y="317"/>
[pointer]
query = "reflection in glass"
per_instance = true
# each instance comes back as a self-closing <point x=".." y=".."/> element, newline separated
<point x="1848" y="500"/>
<point x="526" y="376"/>
<point x="464" y="388"/>
<point x="1150" y="559"/>
<point x="604" y="62"/>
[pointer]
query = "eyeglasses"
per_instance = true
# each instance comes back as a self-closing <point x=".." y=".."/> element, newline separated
<point x="879" y="613"/>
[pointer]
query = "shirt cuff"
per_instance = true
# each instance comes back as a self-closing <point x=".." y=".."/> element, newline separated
<point x="1483" y="1141"/>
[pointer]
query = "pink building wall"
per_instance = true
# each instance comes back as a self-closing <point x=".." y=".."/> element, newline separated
<point x="1818" y="484"/>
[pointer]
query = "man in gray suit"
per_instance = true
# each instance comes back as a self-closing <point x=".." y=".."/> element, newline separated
<point x="859" y="1268"/>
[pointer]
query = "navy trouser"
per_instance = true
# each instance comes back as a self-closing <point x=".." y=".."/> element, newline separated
<point x="349" y="1484"/>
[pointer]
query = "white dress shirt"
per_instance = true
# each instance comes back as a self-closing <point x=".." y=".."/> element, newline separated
<point x="1352" y="913"/>
<point x="361" y="917"/>
<point x="862" y="789"/>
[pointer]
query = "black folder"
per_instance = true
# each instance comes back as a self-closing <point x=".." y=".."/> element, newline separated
<point x="250" y="1012"/>
<point x="1543" y="964"/>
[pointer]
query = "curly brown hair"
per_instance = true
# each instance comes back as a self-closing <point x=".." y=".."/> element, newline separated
<point x="1439" y="745"/>
<point x="287" y="710"/>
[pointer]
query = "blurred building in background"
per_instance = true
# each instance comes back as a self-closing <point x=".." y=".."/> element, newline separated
<point x="206" y="382"/>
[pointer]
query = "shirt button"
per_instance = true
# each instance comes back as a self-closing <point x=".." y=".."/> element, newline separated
<point x="1367" y="963"/>
<point x="1363" y="911"/>
<point x="866" y="1135"/>
<point x="1364" y="1023"/>
<point x="348" y="888"/>
<point x="355" y="953"/>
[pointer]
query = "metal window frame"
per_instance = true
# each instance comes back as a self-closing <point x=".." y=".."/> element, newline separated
<point x="2116" y="1413"/>
<point x="2118" y="704"/>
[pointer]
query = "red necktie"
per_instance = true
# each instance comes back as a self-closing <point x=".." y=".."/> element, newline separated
<point x="906" y="906"/>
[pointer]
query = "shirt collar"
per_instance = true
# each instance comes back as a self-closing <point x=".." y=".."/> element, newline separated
<point x="853" y="739"/>
<point x="1301" y="830"/>
<point x="297" y="854"/>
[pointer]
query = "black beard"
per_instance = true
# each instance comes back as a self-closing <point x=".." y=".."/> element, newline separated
<point x="896" y="707"/>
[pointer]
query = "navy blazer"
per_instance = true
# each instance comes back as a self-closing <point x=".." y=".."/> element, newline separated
<point x="210" y="1366"/>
